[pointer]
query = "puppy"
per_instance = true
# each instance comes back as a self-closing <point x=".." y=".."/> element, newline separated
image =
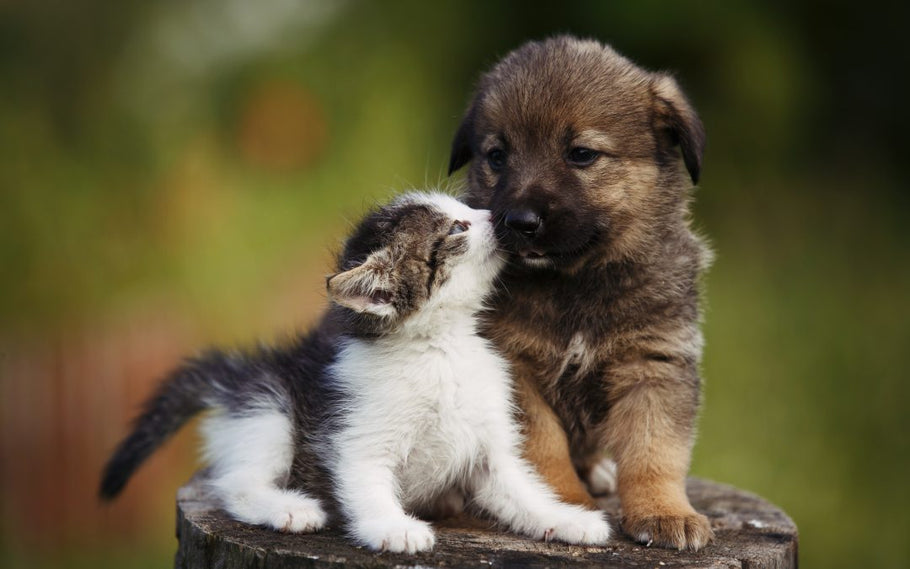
<point x="586" y="161"/>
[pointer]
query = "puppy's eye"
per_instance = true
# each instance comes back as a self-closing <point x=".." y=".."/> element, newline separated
<point x="459" y="227"/>
<point x="496" y="158"/>
<point x="582" y="157"/>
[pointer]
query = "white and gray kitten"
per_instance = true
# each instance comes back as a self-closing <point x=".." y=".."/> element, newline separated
<point x="389" y="406"/>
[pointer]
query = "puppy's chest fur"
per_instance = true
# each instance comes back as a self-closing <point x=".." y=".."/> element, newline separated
<point x="431" y="405"/>
<point x="567" y="332"/>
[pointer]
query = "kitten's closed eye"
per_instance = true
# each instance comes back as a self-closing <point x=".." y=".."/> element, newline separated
<point x="459" y="227"/>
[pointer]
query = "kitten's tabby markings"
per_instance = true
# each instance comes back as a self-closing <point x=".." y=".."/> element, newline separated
<point x="392" y="405"/>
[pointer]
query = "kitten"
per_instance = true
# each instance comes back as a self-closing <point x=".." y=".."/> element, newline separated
<point x="391" y="405"/>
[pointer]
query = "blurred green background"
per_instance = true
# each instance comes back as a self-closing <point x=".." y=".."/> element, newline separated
<point x="177" y="173"/>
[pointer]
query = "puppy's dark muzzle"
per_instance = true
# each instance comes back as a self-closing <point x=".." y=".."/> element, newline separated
<point x="524" y="222"/>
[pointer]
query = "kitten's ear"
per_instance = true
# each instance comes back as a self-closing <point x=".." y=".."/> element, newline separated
<point x="365" y="289"/>
<point x="678" y="117"/>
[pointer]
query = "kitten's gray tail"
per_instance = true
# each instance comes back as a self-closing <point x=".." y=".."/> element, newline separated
<point x="189" y="389"/>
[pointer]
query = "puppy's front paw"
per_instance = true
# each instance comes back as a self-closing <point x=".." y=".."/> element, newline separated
<point x="397" y="535"/>
<point x="685" y="531"/>
<point x="580" y="527"/>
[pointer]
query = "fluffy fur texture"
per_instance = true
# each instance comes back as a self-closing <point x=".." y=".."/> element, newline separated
<point x="585" y="160"/>
<point x="393" y="406"/>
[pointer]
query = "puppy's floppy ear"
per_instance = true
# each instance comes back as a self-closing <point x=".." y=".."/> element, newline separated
<point x="461" y="144"/>
<point x="365" y="289"/>
<point x="675" y="114"/>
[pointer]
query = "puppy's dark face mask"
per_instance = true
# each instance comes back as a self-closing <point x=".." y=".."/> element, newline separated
<point x="577" y="152"/>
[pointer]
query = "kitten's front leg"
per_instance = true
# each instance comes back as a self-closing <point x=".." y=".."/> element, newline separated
<point x="366" y="489"/>
<point x="510" y="490"/>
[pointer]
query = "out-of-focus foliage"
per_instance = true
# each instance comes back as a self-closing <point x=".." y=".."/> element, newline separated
<point x="176" y="173"/>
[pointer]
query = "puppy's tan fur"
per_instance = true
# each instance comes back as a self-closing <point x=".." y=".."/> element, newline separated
<point x="599" y="310"/>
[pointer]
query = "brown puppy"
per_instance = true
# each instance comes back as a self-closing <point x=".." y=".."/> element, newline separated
<point x="580" y="154"/>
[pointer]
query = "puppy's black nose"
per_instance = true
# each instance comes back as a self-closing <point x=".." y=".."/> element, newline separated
<point x="523" y="221"/>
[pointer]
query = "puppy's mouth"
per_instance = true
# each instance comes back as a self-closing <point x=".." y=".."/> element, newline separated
<point x="537" y="257"/>
<point x="532" y="254"/>
<point x="551" y="249"/>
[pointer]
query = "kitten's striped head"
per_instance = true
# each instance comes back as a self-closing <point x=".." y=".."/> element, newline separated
<point x="422" y="251"/>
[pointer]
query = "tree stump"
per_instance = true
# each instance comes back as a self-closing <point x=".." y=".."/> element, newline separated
<point x="750" y="533"/>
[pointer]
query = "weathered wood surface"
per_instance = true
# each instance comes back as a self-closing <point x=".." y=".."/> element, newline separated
<point x="750" y="533"/>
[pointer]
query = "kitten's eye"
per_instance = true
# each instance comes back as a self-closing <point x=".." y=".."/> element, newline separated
<point x="496" y="158"/>
<point x="459" y="227"/>
<point x="582" y="157"/>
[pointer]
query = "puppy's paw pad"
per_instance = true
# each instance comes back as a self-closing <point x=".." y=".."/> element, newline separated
<point x="586" y="527"/>
<point x="602" y="477"/>
<point x="397" y="535"/>
<point x="689" y="531"/>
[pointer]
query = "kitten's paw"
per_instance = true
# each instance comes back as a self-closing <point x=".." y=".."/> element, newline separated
<point x="282" y="510"/>
<point x="580" y="527"/>
<point x="397" y="535"/>
<point x="298" y="514"/>
<point x="686" y="531"/>
<point x="602" y="477"/>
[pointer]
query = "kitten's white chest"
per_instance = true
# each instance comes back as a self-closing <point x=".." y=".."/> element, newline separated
<point x="459" y="398"/>
<point x="432" y="406"/>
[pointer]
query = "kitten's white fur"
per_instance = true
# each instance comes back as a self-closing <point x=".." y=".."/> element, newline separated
<point x="429" y="412"/>
<point x="250" y="456"/>
<point x="602" y="477"/>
